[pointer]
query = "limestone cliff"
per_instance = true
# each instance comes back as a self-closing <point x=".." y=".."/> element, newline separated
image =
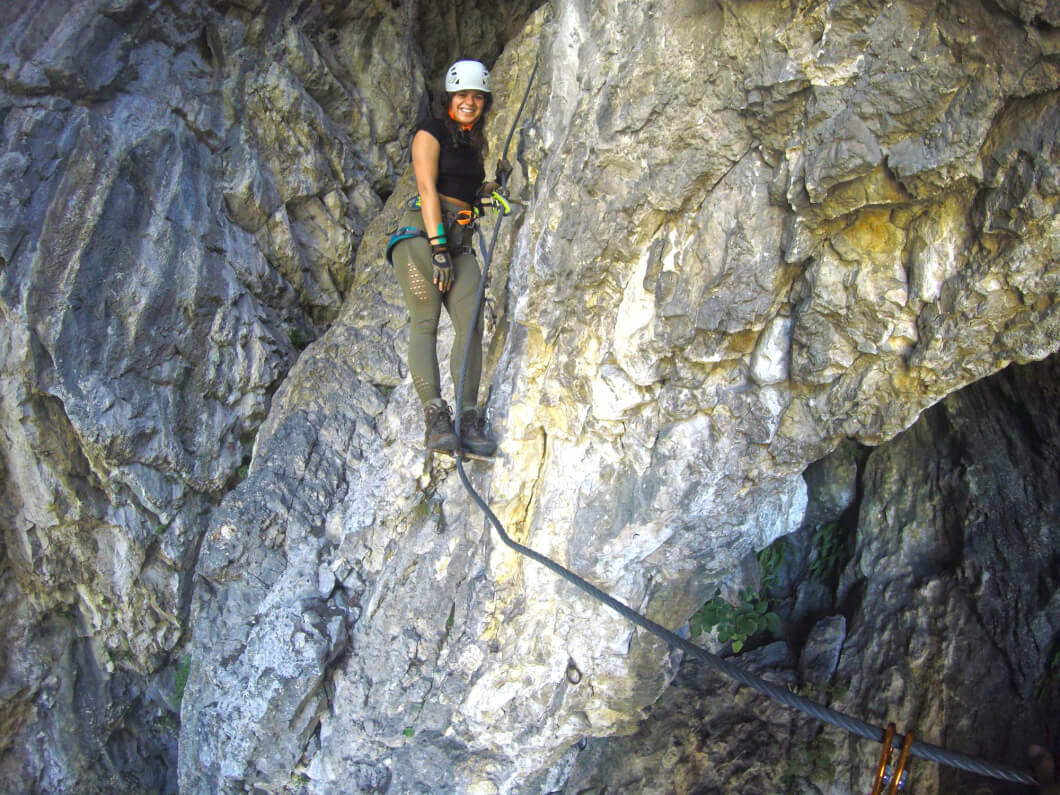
<point x="749" y="234"/>
<point x="932" y="612"/>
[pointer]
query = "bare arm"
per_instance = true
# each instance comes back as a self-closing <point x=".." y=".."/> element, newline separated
<point x="425" y="153"/>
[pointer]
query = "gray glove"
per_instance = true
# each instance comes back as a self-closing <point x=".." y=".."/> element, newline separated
<point x="443" y="267"/>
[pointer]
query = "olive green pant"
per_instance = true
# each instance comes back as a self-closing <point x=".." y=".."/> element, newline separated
<point x="412" y="264"/>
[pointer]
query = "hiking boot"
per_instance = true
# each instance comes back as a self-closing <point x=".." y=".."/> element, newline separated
<point x="440" y="434"/>
<point x="473" y="434"/>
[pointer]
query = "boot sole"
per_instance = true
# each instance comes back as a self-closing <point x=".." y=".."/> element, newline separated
<point x="444" y="446"/>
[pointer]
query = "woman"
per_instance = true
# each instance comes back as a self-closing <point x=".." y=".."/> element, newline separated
<point x="433" y="257"/>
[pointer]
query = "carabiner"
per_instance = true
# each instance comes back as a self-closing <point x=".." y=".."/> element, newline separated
<point x="885" y="774"/>
<point x="500" y="202"/>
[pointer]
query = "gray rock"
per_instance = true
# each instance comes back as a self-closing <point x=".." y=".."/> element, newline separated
<point x="926" y="647"/>
<point x="954" y="583"/>
<point x="820" y="220"/>
<point x="646" y="390"/>
<point x="705" y="735"/>
<point x="820" y="653"/>
<point x="831" y="485"/>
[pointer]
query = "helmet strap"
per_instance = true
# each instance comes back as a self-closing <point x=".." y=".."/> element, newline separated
<point x="464" y="127"/>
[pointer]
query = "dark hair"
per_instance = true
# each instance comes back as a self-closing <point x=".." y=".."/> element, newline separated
<point x="477" y="136"/>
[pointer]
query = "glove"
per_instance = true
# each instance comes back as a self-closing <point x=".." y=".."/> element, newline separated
<point x="504" y="170"/>
<point x="443" y="267"/>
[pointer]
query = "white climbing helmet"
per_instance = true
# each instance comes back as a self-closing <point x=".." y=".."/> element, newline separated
<point x="467" y="76"/>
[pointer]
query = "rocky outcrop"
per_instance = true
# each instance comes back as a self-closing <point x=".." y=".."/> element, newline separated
<point x="182" y="188"/>
<point x="943" y="620"/>
<point x="764" y="257"/>
<point x="748" y="233"/>
<point x="954" y="588"/>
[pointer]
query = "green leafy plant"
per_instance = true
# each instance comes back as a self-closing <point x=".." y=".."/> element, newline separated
<point x="408" y="731"/>
<point x="751" y="614"/>
<point x="825" y="554"/>
<point x="770" y="560"/>
<point x="737" y="622"/>
<point x="180" y="680"/>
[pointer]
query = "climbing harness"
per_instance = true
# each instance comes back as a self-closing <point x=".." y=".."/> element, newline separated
<point x="404" y="233"/>
<point x="463" y="217"/>
<point x="825" y="714"/>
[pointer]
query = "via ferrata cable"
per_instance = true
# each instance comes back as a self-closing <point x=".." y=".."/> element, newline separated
<point x="815" y="710"/>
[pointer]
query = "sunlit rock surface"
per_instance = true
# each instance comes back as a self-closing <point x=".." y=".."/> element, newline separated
<point x="747" y="233"/>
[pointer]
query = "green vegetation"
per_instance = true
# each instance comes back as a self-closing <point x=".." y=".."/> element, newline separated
<point x="751" y="615"/>
<point x="824" y="558"/>
<point x="770" y="560"/>
<point x="409" y="731"/>
<point x="812" y="762"/>
<point x="180" y="679"/>
<point x="298" y="338"/>
<point x="737" y="622"/>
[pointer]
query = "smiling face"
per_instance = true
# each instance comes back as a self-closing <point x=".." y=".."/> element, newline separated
<point x="466" y="107"/>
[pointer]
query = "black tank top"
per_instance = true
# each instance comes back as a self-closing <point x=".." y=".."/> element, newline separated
<point x="460" y="173"/>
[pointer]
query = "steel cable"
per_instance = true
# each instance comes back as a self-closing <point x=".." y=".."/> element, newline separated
<point x="812" y="708"/>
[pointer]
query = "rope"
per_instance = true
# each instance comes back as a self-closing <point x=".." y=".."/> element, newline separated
<point x="814" y="709"/>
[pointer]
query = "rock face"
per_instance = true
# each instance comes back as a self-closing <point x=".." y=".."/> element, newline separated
<point x="945" y="620"/>
<point x="955" y="580"/>
<point x="749" y="233"/>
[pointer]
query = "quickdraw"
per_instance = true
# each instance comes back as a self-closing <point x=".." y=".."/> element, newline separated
<point x="498" y="202"/>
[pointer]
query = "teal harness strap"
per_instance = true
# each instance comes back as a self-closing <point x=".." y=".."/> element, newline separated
<point x="404" y="233"/>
